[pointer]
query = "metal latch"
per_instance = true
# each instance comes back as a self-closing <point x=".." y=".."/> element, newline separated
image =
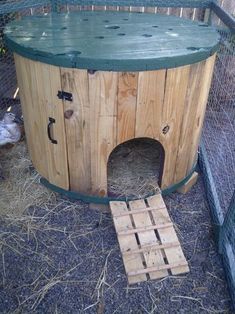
<point x="65" y="95"/>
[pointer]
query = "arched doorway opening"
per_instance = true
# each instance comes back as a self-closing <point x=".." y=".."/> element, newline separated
<point x="135" y="168"/>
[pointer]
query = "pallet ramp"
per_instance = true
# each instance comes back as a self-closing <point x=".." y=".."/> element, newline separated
<point x="149" y="244"/>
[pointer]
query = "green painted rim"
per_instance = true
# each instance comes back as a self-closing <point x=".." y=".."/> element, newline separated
<point x="105" y="200"/>
<point x="112" y="41"/>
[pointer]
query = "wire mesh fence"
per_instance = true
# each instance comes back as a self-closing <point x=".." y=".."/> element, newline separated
<point x="218" y="150"/>
<point x="219" y="127"/>
<point x="10" y="10"/>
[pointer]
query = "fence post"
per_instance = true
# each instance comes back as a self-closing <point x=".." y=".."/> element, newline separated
<point x="228" y="224"/>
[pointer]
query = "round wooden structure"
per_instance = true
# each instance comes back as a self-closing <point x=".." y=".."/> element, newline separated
<point x="120" y="76"/>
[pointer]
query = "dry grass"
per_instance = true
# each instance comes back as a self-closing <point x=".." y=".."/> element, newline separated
<point x="134" y="169"/>
<point x="20" y="187"/>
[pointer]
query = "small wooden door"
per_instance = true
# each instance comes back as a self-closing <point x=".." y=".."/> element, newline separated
<point x="44" y="119"/>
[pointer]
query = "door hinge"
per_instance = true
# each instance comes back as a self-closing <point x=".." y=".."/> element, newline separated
<point x="65" y="95"/>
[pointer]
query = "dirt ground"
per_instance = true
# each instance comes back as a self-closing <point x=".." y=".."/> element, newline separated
<point x="58" y="256"/>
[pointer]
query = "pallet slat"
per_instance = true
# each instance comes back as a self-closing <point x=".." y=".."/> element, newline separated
<point x="151" y="247"/>
<point x="153" y="269"/>
<point x="146" y="235"/>
<point x="128" y="243"/>
<point x="173" y="255"/>
<point x="147" y="239"/>
<point x="144" y="229"/>
<point x="131" y="212"/>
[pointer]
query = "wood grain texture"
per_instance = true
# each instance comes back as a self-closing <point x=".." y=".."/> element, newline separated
<point x="187" y="126"/>
<point x="109" y="108"/>
<point x="103" y="117"/>
<point x="48" y="83"/>
<point x="33" y="113"/>
<point x="167" y="235"/>
<point x="128" y="242"/>
<point x="126" y="106"/>
<point x="150" y="99"/>
<point x="202" y="95"/>
<point x="77" y="128"/>
<point x="127" y="42"/>
<point x="152" y="258"/>
<point x="172" y="116"/>
<point x="147" y="239"/>
<point x="194" y="112"/>
<point x="39" y="84"/>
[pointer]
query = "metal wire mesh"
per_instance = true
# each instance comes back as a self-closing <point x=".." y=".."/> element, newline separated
<point x="10" y="10"/>
<point x="217" y="158"/>
<point x="219" y="127"/>
<point x="227" y="246"/>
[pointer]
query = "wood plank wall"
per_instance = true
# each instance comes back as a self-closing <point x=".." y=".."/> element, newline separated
<point x="110" y="108"/>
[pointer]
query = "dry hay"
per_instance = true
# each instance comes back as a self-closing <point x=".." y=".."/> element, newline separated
<point x="134" y="169"/>
<point x="19" y="185"/>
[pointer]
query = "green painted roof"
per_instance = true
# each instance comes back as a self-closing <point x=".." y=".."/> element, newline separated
<point x="111" y="41"/>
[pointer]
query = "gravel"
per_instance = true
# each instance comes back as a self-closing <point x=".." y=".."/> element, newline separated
<point x="64" y="258"/>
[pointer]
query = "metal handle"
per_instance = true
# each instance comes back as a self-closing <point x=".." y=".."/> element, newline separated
<point x="51" y="121"/>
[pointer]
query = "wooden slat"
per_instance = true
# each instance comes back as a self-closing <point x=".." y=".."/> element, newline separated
<point x="99" y="8"/>
<point x="127" y="243"/>
<point x="149" y="270"/>
<point x="145" y="228"/>
<point x="202" y="97"/>
<point x="150" y="9"/>
<point x="175" y="11"/>
<point x="187" y="13"/>
<point x="33" y="114"/>
<point x="187" y="127"/>
<point x="172" y="116"/>
<point x="86" y="8"/>
<point x="148" y="237"/>
<point x="126" y="110"/>
<point x="175" y="254"/>
<point x="136" y="9"/>
<point x="77" y="126"/>
<point x="151" y="247"/>
<point x="39" y="84"/>
<point x="199" y="14"/>
<point x="134" y="212"/>
<point x="125" y="8"/>
<point x="162" y="10"/>
<point x="194" y="112"/>
<point x="160" y="249"/>
<point x="103" y="112"/>
<point x="48" y="83"/>
<point x="149" y="103"/>
<point x="112" y="8"/>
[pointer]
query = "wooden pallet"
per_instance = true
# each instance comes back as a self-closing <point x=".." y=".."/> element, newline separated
<point x="149" y="245"/>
